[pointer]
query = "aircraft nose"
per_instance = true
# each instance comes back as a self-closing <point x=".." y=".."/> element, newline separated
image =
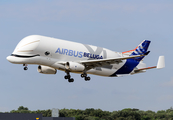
<point x="9" y="58"/>
<point x="15" y="60"/>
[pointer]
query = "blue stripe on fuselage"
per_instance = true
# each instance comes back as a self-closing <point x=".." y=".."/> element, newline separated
<point x="127" y="67"/>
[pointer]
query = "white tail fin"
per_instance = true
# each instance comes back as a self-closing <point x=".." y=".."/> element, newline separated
<point x="161" y="62"/>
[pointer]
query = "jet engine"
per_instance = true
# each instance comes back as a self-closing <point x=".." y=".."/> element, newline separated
<point x="74" y="67"/>
<point x="46" y="70"/>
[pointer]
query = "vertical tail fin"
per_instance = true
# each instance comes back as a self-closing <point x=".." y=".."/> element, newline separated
<point x="139" y="50"/>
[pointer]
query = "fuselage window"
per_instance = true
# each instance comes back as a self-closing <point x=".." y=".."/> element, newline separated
<point x="47" y="53"/>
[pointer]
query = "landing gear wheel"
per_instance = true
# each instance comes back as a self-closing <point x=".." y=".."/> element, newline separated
<point x="71" y="80"/>
<point x="67" y="77"/>
<point x="83" y="75"/>
<point x="25" y="68"/>
<point x="87" y="78"/>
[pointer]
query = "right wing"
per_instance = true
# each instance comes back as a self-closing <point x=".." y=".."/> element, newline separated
<point x="101" y="62"/>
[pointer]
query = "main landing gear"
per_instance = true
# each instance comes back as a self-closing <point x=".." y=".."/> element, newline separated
<point x="84" y="75"/>
<point x="68" y="77"/>
<point x="25" y="67"/>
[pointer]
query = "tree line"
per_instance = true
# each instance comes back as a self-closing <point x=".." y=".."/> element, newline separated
<point x="98" y="114"/>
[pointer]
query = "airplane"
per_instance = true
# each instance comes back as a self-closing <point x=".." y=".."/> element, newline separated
<point x="51" y="54"/>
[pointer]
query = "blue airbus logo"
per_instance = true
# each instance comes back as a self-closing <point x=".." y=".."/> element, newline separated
<point x="69" y="52"/>
<point x="77" y="53"/>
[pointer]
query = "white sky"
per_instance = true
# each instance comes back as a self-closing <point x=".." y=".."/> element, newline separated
<point x="114" y="24"/>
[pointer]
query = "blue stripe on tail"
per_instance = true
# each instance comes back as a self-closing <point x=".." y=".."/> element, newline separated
<point x="141" y="50"/>
<point x="133" y="62"/>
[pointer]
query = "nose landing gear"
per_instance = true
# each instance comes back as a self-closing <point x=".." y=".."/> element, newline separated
<point x="25" y="68"/>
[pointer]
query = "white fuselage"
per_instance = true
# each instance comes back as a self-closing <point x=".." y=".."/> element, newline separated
<point x="53" y="52"/>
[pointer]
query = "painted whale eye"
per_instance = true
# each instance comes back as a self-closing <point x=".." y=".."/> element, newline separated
<point x="47" y="53"/>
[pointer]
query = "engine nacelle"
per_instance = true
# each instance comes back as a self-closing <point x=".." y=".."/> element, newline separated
<point x="46" y="70"/>
<point x="74" y="67"/>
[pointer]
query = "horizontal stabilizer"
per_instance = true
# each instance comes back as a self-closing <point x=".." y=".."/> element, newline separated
<point x="145" y="68"/>
<point x="161" y="62"/>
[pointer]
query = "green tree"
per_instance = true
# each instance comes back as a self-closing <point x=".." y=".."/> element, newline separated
<point x="98" y="114"/>
<point x="22" y="108"/>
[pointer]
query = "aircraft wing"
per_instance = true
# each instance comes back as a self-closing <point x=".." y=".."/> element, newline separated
<point x="101" y="62"/>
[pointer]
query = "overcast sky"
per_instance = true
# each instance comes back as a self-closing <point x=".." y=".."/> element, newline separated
<point x="118" y="25"/>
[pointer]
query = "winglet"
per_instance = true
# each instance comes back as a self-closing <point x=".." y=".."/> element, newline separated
<point x="161" y="62"/>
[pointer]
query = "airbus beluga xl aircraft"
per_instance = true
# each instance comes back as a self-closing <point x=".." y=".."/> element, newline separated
<point x="52" y="54"/>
